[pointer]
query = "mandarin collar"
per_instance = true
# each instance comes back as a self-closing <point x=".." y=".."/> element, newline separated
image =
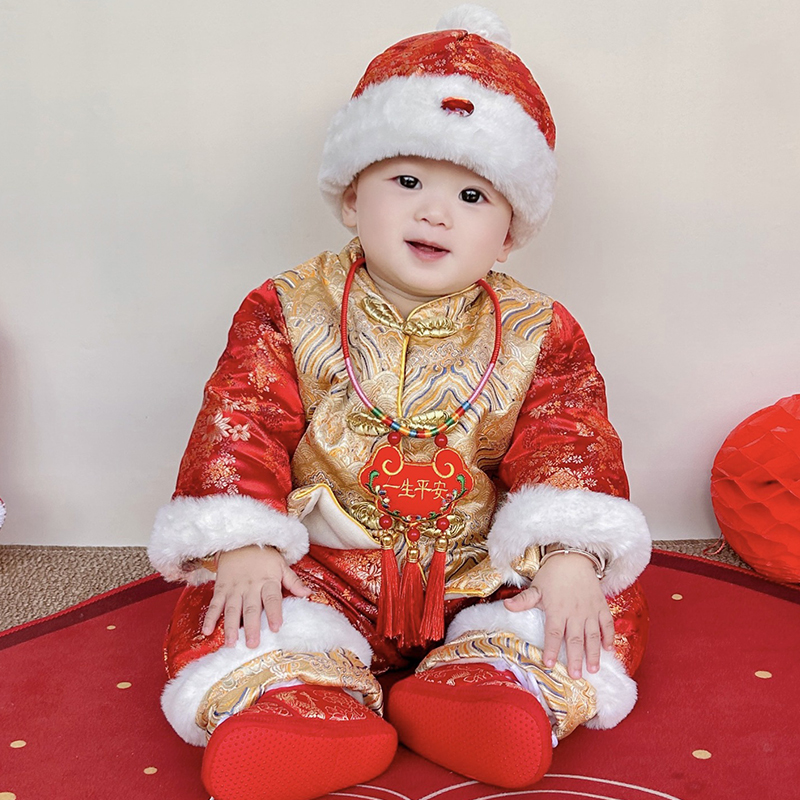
<point x="440" y="317"/>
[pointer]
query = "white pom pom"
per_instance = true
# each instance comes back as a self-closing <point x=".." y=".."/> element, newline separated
<point x="2" y="513"/>
<point x="476" y="19"/>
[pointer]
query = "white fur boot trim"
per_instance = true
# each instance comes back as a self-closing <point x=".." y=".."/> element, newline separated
<point x="307" y="628"/>
<point x="615" y="689"/>
<point x="196" y="527"/>
<point x="538" y="515"/>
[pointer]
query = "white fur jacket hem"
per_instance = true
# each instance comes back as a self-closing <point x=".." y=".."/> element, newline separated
<point x="192" y="528"/>
<point x="610" y="526"/>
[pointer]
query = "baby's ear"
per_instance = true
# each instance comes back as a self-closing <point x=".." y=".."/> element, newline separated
<point x="349" y="214"/>
<point x="506" y="247"/>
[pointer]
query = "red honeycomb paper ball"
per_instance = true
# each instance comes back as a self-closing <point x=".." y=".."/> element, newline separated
<point x="755" y="490"/>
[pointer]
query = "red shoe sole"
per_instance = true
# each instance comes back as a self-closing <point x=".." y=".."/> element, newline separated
<point x="273" y="758"/>
<point x="493" y="734"/>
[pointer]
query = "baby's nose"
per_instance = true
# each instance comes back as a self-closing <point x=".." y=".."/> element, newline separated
<point x="435" y="211"/>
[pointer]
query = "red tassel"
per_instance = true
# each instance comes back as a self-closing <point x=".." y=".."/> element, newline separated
<point x="412" y="598"/>
<point x="432" y="628"/>
<point x="388" y="622"/>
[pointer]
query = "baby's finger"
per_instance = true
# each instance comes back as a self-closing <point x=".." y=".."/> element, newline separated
<point x="607" y="629"/>
<point x="292" y="583"/>
<point x="575" y="636"/>
<point x="233" y="616"/>
<point x="213" y="613"/>
<point x="273" y="601"/>
<point x="553" y="636"/>
<point x="252" y="617"/>
<point x="523" y="601"/>
<point x="593" y="636"/>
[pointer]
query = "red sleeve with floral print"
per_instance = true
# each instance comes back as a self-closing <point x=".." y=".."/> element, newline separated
<point x="252" y="416"/>
<point x="563" y="437"/>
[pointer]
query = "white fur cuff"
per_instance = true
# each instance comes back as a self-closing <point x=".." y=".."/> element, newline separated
<point x="615" y="689"/>
<point x="196" y="527"/>
<point x="307" y="628"/>
<point x="538" y="515"/>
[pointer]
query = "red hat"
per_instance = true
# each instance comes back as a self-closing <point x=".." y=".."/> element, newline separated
<point x="457" y="94"/>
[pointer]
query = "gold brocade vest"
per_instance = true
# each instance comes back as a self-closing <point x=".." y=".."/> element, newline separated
<point x="418" y="370"/>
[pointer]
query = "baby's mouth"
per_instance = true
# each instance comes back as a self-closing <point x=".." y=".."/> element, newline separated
<point x="425" y="247"/>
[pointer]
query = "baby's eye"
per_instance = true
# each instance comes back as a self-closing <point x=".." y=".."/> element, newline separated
<point x="471" y="195"/>
<point x="407" y="181"/>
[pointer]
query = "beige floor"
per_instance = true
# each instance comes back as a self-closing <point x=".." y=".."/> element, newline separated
<point x="37" y="581"/>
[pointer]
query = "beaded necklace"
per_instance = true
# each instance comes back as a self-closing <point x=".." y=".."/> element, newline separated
<point x="409" y="494"/>
<point x="390" y="422"/>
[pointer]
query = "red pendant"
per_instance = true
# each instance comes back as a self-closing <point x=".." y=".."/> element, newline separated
<point x="409" y="493"/>
<point x="413" y="491"/>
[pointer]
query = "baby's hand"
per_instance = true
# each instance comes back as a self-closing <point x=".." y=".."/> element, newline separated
<point x="568" y="591"/>
<point x="249" y="579"/>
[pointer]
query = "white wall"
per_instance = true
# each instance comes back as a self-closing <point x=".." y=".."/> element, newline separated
<point x="158" y="159"/>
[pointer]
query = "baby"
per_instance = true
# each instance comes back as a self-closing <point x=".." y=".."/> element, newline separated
<point x="336" y="514"/>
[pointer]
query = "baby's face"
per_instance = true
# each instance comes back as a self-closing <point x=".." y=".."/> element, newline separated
<point x="428" y="228"/>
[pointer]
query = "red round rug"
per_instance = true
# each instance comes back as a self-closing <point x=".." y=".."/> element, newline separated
<point x="716" y="718"/>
